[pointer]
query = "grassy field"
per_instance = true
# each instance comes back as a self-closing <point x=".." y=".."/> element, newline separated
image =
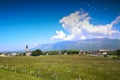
<point x="59" y="67"/>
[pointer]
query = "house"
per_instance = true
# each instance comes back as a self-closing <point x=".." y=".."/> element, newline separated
<point x="65" y="53"/>
<point x="28" y="54"/>
<point x="103" y="52"/>
<point x="82" y="52"/>
<point x="14" y="54"/>
<point x="2" y="55"/>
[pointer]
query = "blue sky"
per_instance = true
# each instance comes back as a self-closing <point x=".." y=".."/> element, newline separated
<point x="36" y="22"/>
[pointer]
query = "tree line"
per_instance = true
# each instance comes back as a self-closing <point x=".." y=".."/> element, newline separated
<point x="38" y="52"/>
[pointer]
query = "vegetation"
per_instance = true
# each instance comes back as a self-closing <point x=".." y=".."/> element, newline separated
<point x="70" y="51"/>
<point x="59" y="67"/>
<point x="73" y="52"/>
<point x="54" y="52"/>
<point x="37" y="53"/>
<point x="51" y="53"/>
<point x="112" y="53"/>
<point x="118" y="52"/>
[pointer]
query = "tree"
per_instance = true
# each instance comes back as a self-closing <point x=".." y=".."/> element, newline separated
<point x="73" y="52"/>
<point x="118" y="52"/>
<point x="112" y="53"/>
<point x="37" y="52"/>
<point x="63" y="51"/>
<point x="53" y="53"/>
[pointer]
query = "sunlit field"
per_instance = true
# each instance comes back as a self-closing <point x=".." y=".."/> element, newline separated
<point x="59" y="67"/>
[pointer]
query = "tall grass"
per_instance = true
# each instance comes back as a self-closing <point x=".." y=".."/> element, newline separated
<point x="60" y="67"/>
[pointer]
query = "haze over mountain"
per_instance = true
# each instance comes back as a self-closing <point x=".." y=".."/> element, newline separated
<point x="89" y="44"/>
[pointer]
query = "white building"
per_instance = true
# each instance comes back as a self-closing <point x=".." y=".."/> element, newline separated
<point x="2" y="55"/>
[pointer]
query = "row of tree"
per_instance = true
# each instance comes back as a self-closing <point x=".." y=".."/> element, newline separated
<point x="117" y="52"/>
<point x="39" y="52"/>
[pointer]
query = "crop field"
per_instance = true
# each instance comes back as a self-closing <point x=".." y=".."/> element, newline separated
<point x="59" y="67"/>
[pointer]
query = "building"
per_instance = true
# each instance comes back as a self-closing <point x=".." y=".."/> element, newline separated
<point x="2" y="55"/>
<point x="26" y="48"/>
<point x="28" y="53"/>
<point x="103" y="52"/>
<point x="14" y="54"/>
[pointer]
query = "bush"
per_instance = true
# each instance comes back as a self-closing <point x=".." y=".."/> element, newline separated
<point x="112" y="53"/>
<point x="118" y="52"/>
<point x="116" y="57"/>
<point x="70" y="51"/>
<point x="36" y="53"/>
<point x="63" y="51"/>
<point x="73" y="52"/>
<point x="53" y="53"/>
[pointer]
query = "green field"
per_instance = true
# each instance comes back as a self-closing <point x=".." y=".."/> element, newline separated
<point x="59" y="67"/>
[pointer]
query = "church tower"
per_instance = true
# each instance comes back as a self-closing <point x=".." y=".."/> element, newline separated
<point x="26" y="48"/>
<point x="28" y="53"/>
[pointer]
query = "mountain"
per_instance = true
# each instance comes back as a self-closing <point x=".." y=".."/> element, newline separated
<point x="90" y="44"/>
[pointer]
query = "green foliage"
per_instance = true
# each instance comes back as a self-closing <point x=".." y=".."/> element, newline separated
<point x="53" y="52"/>
<point x="70" y="51"/>
<point x="73" y="52"/>
<point x="37" y="52"/>
<point x="118" y="52"/>
<point x="63" y="51"/>
<point x="59" y="67"/>
<point x="112" y="53"/>
<point x="116" y="58"/>
<point x="24" y="54"/>
<point x="8" y="75"/>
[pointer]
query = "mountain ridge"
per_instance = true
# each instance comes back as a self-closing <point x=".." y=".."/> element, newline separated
<point x="88" y="44"/>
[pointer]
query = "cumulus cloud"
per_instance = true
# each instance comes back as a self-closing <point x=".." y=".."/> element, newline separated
<point x="62" y="35"/>
<point x="116" y="21"/>
<point x="79" y="27"/>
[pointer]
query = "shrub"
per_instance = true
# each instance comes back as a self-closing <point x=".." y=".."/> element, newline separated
<point x="118" y="52"/>
<point x="36" y="53"/>
<point x="73" y="52"/>
<point x="112" y="53"/>
<point x="53" y="53"/>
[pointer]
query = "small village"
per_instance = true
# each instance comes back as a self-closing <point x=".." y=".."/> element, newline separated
<point x="101" y="52"/>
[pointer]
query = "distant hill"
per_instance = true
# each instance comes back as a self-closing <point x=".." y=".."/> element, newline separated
<point x="90" y="44"/>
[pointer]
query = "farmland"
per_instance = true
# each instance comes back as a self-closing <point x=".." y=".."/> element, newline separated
<point x="59" y="67"/>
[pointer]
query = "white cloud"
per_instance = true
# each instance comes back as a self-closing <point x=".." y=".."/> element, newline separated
<point x="79" y="27"/>
<point x="61" y="35"/>
<point x="117" y="20"/>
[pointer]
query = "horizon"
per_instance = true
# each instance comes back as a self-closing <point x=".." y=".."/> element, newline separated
<point x="38" y="46"/>
<point x="34" y="22"/>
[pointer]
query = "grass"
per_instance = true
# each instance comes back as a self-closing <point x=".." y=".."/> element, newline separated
<point x="7" y="75"/>
<point x="59" y="67"/>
